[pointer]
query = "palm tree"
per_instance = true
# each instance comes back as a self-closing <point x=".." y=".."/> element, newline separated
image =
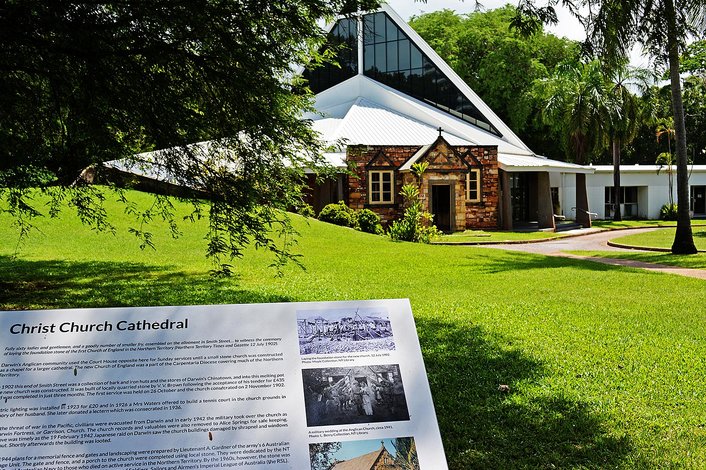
<point x="577" y="104"/>
<point x="625" y="121"/>
<point x="666" y="128"/>
<point x="662" y="27"/>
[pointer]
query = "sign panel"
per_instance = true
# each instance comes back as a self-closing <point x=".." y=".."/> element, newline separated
<point x="261" y="386"/>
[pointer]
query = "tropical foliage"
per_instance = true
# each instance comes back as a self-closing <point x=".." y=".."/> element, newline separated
<point x="84" y="82"/>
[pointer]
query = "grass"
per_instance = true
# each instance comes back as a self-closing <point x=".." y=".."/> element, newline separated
<point x="683" y="261"/>
<point x="483" y="236"/>
<point x="662" y="238"/>
<point x="611" y="225"/>
<point x="657" y="239"/>
<point x="605" y="364"/>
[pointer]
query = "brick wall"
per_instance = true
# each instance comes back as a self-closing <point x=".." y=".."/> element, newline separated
<point x="446" y="167"/>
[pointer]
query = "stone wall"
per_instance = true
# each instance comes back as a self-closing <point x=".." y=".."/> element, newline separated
<point x="447" y="165"/>
<point x="362" y="158"/>
<point x="484" y="214"/>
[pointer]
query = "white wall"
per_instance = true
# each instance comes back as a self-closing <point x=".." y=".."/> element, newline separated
<point x="652" y="194"/>
<point x="653" y="188"/>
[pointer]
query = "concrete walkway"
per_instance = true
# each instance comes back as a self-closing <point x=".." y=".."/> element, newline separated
<point x="598" y="241"/>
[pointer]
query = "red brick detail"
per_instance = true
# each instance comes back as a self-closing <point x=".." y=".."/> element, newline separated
<point x="446" y="164"/>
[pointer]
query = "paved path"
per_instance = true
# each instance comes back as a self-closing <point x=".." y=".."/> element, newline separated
<point x="598" y="241"/>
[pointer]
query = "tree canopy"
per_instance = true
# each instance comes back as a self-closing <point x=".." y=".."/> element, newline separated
<point x="500" y="65"/>
<point x="663" y="28"/>
<point x="86" y="82"/>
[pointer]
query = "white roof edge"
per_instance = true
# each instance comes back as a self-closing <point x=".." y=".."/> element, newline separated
<point x="408" y="164"/>
<point x="642" y="168"/>
<point x="548" y="169"/>
<point x="507" y="133"/>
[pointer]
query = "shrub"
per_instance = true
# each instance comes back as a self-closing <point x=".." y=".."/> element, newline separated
<point x="668" y="212"/>
<point x="369" y="221"/>
<point x="306" y="210"/>
<point x="415" y="225"/>
<point x="338" y="214"/>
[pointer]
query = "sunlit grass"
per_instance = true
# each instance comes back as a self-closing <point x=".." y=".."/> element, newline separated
<point x="662" y="238"/>
<point x="605" y="364"/>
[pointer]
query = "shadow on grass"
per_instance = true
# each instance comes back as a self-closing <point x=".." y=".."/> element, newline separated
<point x="483" y="427"/>
<point x="506" y="261"/>
<point x="59" y="284"/>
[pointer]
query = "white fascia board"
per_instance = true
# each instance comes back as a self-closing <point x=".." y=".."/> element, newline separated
<point x="646" y="168"/>
<point x="508" y="135"/>
<point x="546" y="169"/>
<point x="337" y="100"/>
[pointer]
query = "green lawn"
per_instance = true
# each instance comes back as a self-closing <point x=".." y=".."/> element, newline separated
<point x="483" y="236"/>
<point x="606" y="365"/>
<point x="662" y="238"/>
<point x="609" y="224"/>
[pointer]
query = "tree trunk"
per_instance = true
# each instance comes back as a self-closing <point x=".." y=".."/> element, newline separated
<point x="582" y="215"/>
<point x="617" y="193"/>
<point x="683" y="240"/>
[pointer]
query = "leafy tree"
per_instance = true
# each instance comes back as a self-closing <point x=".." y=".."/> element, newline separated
<point x="500" y="65"/>
<point x="321" y="455"/>
<point x="666" y="129"/>
<point x="662" y="27"/>
<point x="694" y="59"/>
<point x="87" y="82"/>
<point x="625" y="119"/>
<point x="406" y="453"/>
<point x="578" y="104"/>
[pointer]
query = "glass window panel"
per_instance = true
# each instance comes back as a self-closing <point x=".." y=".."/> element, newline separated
<point x="369" y="58"/>
<point x="416" y="57"/>
<point x="393" y="54"/>
<point x="353" y="30"/>
<point x="380" y="62"/>
<point x="375" y="197"/>
<point x="405" y="82"/>
<point x="416" y="83"/>
<point x="392" y="62"/>
<point x="404" y="62"/>
<point x="390" y="29"/>
<point x="379" y="27"/>
<point x="369" y="29"/>
<point x="342" y="27"/>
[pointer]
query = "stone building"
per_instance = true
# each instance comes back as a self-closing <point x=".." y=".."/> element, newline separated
<point x="460" y="185"/>
<point x="392" y="101"/>
<point x="377" y="460"/>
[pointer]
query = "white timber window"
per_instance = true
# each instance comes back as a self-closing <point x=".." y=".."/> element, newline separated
<point x="381" y="187"/>
<point x="473" y="185"/>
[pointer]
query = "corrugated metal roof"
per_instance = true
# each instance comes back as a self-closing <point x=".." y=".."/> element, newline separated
<point x="368" y="123"/>
<point x="519" y="163"/>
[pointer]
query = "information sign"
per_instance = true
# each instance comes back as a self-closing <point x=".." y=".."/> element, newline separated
<point x="262" y="386"/>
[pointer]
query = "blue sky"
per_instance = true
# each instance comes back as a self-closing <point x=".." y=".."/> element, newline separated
<point x="568" y="26"/>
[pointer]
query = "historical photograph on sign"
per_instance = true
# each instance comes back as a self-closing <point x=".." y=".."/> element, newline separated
<point x="348" y="395"/>
<point x="374" y="454"/>
<point x="344" y="330"/>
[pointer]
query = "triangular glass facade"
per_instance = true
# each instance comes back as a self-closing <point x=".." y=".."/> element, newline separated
<point x="343" y="36"/>
<point x="391" y="58"/>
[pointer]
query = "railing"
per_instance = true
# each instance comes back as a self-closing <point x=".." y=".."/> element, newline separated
<point x="590" y="214"/>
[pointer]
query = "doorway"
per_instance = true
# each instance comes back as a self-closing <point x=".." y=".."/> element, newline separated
<point x="441" y="206"/>
<point x="698" y="200"/>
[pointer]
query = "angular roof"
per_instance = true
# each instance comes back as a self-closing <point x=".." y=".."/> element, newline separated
<point x="361" y="110"/>
<point x="363" y="462"/>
